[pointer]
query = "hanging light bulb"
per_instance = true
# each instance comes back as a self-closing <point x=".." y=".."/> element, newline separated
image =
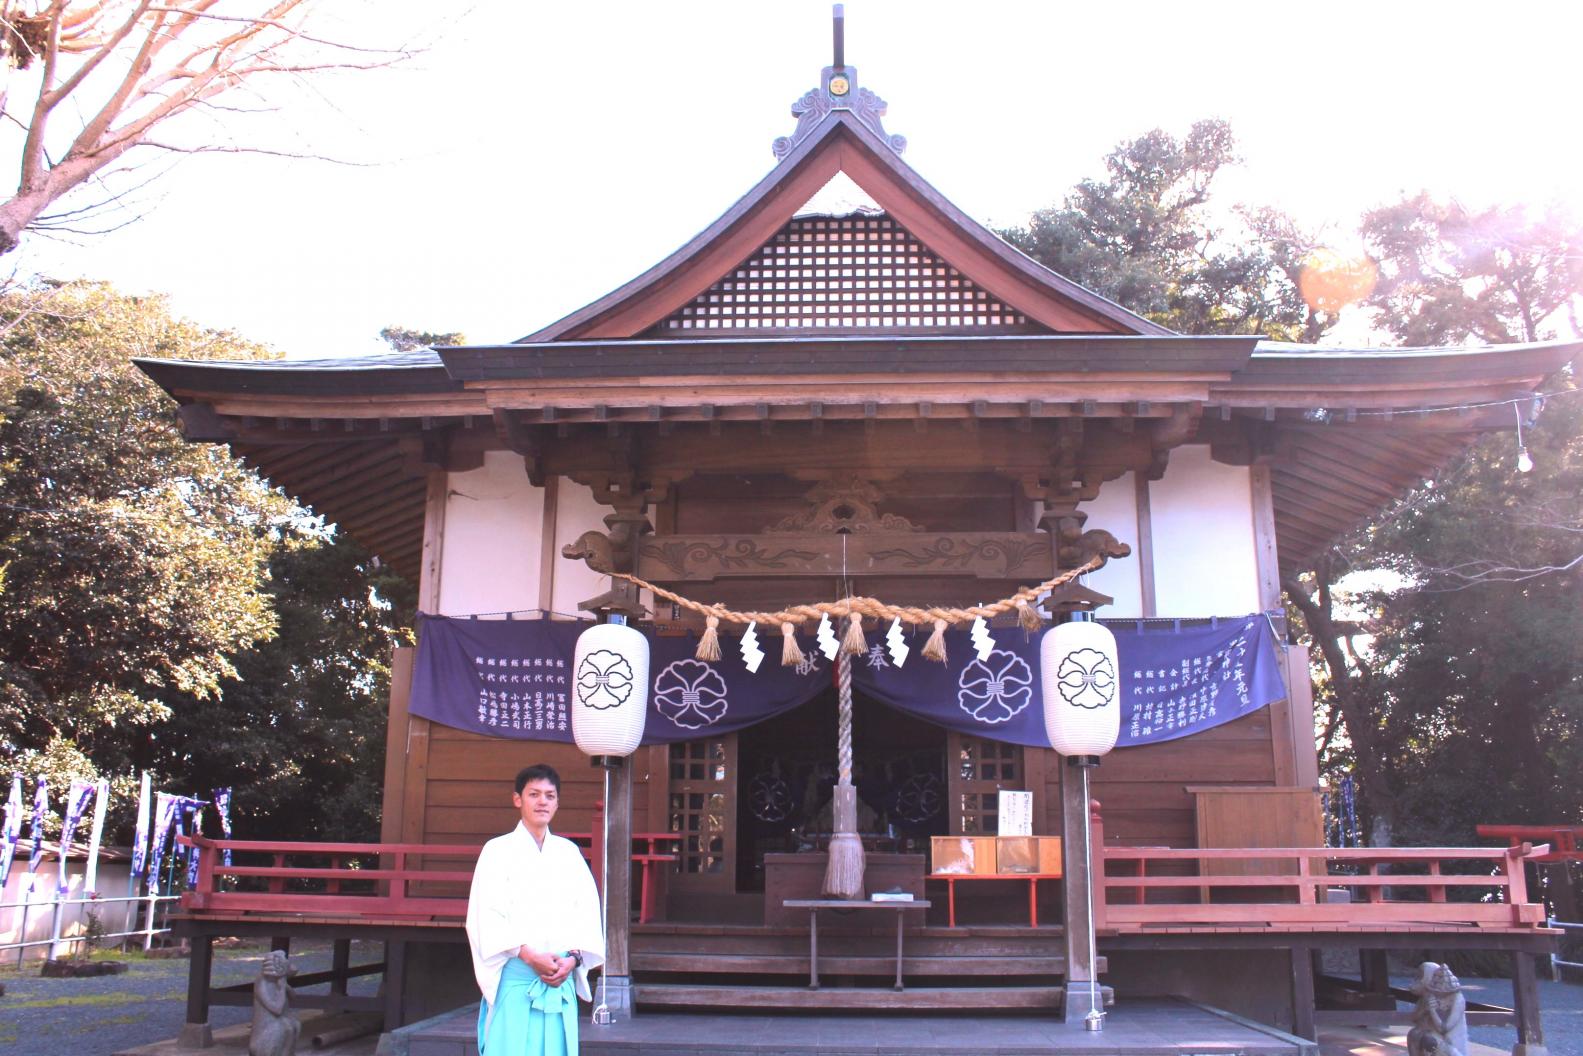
<point x="1525" y="464"/>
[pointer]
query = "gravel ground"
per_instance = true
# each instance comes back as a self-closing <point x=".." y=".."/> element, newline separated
<point x="1560" y="1009"/>
<point x="98" y="1017"/>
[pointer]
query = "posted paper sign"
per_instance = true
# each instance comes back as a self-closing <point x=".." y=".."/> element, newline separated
<point x="1016" y="813"/>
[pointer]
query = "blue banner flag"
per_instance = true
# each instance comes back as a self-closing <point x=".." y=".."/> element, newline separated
<point x="513" y="678"/>
<point x="12" y="829"/>
<point x="76" y="804"/>
<point x="222" y="807"/>
<point x="40" y="812"/>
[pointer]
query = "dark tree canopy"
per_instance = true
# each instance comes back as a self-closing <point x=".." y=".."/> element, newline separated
<point x="1147" y="238"/>
<point x="162" y="607"/>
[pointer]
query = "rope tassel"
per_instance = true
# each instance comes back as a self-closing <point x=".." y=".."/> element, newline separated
<point x="1030" y="620"/>
<point x="791" y="654"/>
<point x="934" y="648"/>
<point x="853" y="642"/>
<point x="709" y="644"/>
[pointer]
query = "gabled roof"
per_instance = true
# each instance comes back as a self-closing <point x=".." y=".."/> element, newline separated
<point x="842" y="142"/>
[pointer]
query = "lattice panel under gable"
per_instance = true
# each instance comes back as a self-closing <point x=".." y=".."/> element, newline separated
<point x="856" y="272"/>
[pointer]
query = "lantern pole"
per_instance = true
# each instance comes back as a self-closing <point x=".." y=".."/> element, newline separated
<point x="615" y="888"/>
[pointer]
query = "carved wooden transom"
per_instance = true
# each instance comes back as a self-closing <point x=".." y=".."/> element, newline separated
<point x="862" y="271"/>
<point x="843" y="505"/>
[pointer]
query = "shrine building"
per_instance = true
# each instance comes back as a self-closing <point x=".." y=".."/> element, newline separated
<point x="845" y="385"/>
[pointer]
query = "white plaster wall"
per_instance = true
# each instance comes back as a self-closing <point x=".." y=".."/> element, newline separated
<point x="1116" y="511"/>
<point x="576" y="512"/>
<point x="1201" y="514"/>
<point x="491" y="553"/>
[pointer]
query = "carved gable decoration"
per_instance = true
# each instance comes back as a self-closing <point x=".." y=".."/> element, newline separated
<point x="856" y="272"/>
<point x="845" y="505"/>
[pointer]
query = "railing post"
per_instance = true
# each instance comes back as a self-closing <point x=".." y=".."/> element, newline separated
<point x="1517" y="879"/>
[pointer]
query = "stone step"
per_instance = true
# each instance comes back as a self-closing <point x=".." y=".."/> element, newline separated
<point x="845" y="964"/>
<point x="826" y="998"/>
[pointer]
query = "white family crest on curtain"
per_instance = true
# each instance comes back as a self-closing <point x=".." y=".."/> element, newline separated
<point x="691" y="693"/>
<point x="995" y="688"/>
<point x="609" y="689"/>
<point x="1082" y="706"/>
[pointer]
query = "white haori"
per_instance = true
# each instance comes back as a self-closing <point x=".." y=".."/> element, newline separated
<point x="539" y="897"/>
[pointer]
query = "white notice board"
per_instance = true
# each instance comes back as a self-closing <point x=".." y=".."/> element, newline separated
<point x="1016" y="813"/>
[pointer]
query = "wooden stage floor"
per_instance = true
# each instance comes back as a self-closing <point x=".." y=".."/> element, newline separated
<point x="1144" y="1027"/>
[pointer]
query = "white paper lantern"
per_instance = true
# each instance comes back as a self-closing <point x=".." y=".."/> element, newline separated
<point x="1082" y="688"/>
<point x="610" y="689"/>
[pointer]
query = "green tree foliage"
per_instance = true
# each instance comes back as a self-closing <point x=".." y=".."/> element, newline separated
<point x="1456" y="698"/>
<point x="1147" y="238"/>
<point x="405" y="339"/>
<point x="164" y="609"/>
<point x="1449" y="273"/>
<point x="301" y="729"/>
<point x="133" y="559"/>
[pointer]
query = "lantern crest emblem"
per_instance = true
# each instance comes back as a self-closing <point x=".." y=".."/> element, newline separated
<point x="1086" y="678"/>
<point x="604" y="680"/>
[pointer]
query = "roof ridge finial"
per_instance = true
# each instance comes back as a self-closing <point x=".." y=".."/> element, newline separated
<point x="837" y="90"/>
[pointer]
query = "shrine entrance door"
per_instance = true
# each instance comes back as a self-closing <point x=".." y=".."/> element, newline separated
<point x="701" y="808"/>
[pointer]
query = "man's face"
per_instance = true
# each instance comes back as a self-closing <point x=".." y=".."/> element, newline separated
<point x="537" y="801"/>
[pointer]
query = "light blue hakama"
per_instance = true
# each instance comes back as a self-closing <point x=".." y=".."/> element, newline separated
<point x="531" y="1018"/>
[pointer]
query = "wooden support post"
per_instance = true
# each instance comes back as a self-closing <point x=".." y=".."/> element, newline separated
<point x="617" y="887"/>
<point x="340" y="961"/>
<point x="395" y="983"/>
<point x="1077" y="913"/>
<point x="1303" y="993"/>
<point x="195" y="1033"/>
<point x="1525" y="1003"/>
<point x="1374" y="967"/>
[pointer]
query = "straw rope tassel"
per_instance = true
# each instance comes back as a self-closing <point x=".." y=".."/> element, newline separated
<point x="853" y="642"/>
<point x="791" y="654"/>
<point x="843" y="877"/>
<point x="709" y="645"/>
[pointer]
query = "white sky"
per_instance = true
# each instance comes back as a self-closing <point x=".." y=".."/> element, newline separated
<point x="538" y="155"/>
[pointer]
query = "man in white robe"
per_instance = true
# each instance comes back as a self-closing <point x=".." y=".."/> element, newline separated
<point x="535" y="929"/>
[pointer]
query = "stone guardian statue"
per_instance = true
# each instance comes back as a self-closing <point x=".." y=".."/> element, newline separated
<point x="275" y="1029"/>
<point x="1440" y="1020"/>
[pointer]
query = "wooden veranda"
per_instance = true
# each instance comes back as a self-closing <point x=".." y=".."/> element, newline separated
<point x="1293" y="902"/>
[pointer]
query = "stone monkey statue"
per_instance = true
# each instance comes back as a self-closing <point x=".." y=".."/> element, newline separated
<point x="1440" y="1023"/>
<point x="275" y="1029"/>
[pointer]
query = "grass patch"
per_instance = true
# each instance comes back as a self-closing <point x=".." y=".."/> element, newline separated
<point x="78" y="1001"/>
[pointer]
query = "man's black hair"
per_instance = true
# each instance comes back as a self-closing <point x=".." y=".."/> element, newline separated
<point x="538" y="772"/>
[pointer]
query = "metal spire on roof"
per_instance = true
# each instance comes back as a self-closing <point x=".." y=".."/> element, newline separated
<point x="838" y="90"/>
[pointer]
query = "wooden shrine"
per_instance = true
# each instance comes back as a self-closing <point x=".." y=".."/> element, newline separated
<point x="886" y="398"/>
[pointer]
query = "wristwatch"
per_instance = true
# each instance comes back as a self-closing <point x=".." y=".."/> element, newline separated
<point x="577" y="957"/>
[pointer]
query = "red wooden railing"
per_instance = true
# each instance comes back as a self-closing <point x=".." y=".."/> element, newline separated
<point x="1564" y="840"/>
<point x="1291" y="886"/>
<point x="363" y="879"/>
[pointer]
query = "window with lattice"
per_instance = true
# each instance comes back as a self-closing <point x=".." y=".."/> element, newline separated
<point x="858" y="272"/>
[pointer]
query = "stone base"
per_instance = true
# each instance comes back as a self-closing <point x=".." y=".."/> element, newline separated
<point x="612" y="1000"/>
<point x="1523" y="1048"/>
<point x="195" y="1036"/>
<point x="1078" y="998"/>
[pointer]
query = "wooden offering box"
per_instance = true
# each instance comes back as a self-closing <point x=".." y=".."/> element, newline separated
<point x="962" y="855"/>
<point x="1028" y="854"/>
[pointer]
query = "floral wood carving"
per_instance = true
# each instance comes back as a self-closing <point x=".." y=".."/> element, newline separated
<point x="842" y="504"/>
<point x="738" y="553"/>
<point x="947" y="552"/>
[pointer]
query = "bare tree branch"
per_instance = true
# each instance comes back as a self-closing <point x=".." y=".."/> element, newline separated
<point x="132" y="66"/>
